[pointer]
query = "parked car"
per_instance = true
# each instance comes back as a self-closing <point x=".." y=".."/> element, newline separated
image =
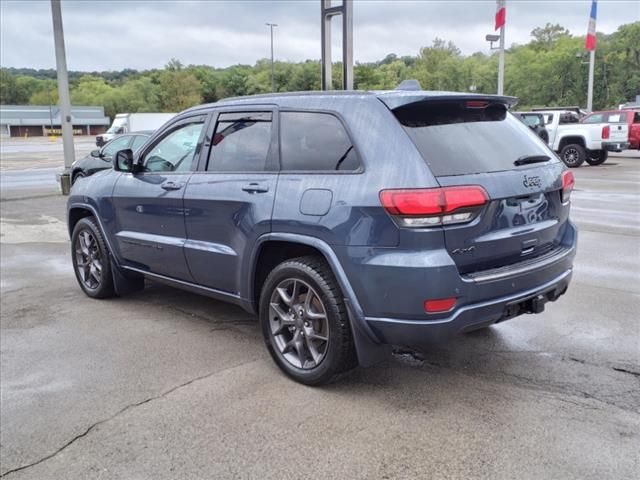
<point x="577" y="142"/>
<point x="630" y="117"/>
<point x="535" y="121"/>
<point x="100" y="159"/>
<point x="133" y="122"/>
<point x="347" y="221"/>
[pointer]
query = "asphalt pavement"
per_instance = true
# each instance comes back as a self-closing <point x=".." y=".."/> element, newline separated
<point x="165" y="384"/>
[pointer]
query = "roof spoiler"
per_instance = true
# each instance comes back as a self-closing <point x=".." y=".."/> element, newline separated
<point x="400" y="100"/>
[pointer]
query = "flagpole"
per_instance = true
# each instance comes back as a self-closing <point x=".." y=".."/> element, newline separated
<point x="592" y="61"/>
<point x="590" y="44"/>
<point x="501" y="63"/>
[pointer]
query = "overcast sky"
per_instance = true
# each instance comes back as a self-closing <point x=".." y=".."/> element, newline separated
<point x="112" y="35"/>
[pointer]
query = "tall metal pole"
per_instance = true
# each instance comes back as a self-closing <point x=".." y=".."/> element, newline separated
<point x="592" y="61"/>
<point x="273" y="77"/>
<point x="347" y="45"/>
<point x="501" y="63"/>
<point x="63" y="94"/>
<point x="327" y="11"/>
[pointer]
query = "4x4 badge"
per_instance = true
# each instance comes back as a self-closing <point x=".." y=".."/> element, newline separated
<point x="531" y="182"/>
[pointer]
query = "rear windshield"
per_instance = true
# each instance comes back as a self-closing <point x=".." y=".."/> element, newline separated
<point x="456" y="140"/>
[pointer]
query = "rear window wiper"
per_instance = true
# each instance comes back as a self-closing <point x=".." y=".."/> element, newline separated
<point x="527" y="159"/>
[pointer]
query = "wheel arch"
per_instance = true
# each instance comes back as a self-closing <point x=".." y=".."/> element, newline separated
<point x="572" y="140"/>
<point x="75" y="214"/>
<point x="368" y="346"/>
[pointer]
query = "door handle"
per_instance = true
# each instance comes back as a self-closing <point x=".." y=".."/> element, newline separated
<point x="255" y="188"/>
<point x="171" y="186"/>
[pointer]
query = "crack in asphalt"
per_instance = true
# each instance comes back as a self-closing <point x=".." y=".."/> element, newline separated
<point x="118" y="413"/>
<point x="624" y="370"/>
<point x="414" y="358"/>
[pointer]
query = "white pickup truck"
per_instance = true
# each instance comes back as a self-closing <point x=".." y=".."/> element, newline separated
<point x="579" y="142"/>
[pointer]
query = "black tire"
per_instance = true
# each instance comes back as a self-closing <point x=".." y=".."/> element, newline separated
<point x="76" y="176"/>
<point x="339" y="351"/>
<point x="84" y="254"/>
<point x="573" y="155"/>
<point x="597" y="157"/>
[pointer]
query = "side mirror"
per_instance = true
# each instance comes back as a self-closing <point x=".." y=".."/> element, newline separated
<point x="123" y="161"/>
<point x="96" y="153"/>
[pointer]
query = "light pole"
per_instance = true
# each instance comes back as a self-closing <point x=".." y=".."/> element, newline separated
<point x="494" y="38"/>
<point x="63" y="94"/>
<point x="273" y="78"/>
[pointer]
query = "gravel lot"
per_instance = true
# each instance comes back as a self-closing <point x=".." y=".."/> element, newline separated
<point x="166" y="384"/>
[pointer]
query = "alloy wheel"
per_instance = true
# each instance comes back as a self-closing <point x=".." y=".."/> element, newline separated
<point x="298" y="323"/>
<point x="88" y="260"/>
<point x="571" y="155"/>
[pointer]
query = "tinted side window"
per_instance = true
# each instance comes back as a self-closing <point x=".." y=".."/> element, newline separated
<point x="175" y="152"/>
<point x="315" y="141"/>
<point x="241" y="142"/>
<point x="636" y="117"/>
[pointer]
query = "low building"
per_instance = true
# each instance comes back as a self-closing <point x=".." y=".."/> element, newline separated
<point x="42" y="120"/>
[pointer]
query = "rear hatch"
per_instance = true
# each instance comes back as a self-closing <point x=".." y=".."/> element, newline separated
<point x="474" y="141"/>
<point x="618" y="128"/>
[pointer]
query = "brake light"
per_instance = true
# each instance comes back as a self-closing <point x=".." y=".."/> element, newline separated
<point x="477" y="104"/>
<point x="428" y="207"/>
<point x="440" y="305"/>
<point x="568" y="181"/>
<point x="605" y="132"/>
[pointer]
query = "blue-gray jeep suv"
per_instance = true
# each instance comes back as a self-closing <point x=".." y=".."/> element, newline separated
<point x="348" y="221"/>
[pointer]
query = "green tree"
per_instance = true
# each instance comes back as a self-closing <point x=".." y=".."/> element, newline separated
<point x="178" y="90"/>
<point x="8" y="90"/>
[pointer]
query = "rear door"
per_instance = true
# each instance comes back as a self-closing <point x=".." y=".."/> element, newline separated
<point x="229" y="201"/>
<point x="480" y="143"/>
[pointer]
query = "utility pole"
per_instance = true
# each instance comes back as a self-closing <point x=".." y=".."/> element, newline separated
<point x="63" y="94"/>
<point x="273" y="77"/>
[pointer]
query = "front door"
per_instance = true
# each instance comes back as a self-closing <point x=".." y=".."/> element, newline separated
<point x="228" y="203"/>
<point x="149" y="210"/>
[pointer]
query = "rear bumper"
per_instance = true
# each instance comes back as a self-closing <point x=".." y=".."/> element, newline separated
<point x="391" y="286"/>
<point x="615" y="146"/>
<point x="416" y="332"/>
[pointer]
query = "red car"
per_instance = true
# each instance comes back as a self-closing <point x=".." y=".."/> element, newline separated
<point x="631" y="117"/>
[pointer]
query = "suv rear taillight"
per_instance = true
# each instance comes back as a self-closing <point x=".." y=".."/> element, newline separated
<point x="430" y="207"/>
<point x="568" y="182"/>
<point x="605" y="132"/>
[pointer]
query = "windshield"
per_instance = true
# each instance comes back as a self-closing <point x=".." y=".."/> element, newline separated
<point x="456" y="140"/>
<point x="118" y="123"/>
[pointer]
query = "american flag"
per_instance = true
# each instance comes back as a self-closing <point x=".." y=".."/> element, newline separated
<point x="590" y="42"/>
<point x="501" y="13"/>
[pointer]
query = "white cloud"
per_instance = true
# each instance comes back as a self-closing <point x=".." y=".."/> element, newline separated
<point x="103" y="35"/>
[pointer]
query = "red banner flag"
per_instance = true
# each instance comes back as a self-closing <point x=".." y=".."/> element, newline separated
<point x="501" y="13"/>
